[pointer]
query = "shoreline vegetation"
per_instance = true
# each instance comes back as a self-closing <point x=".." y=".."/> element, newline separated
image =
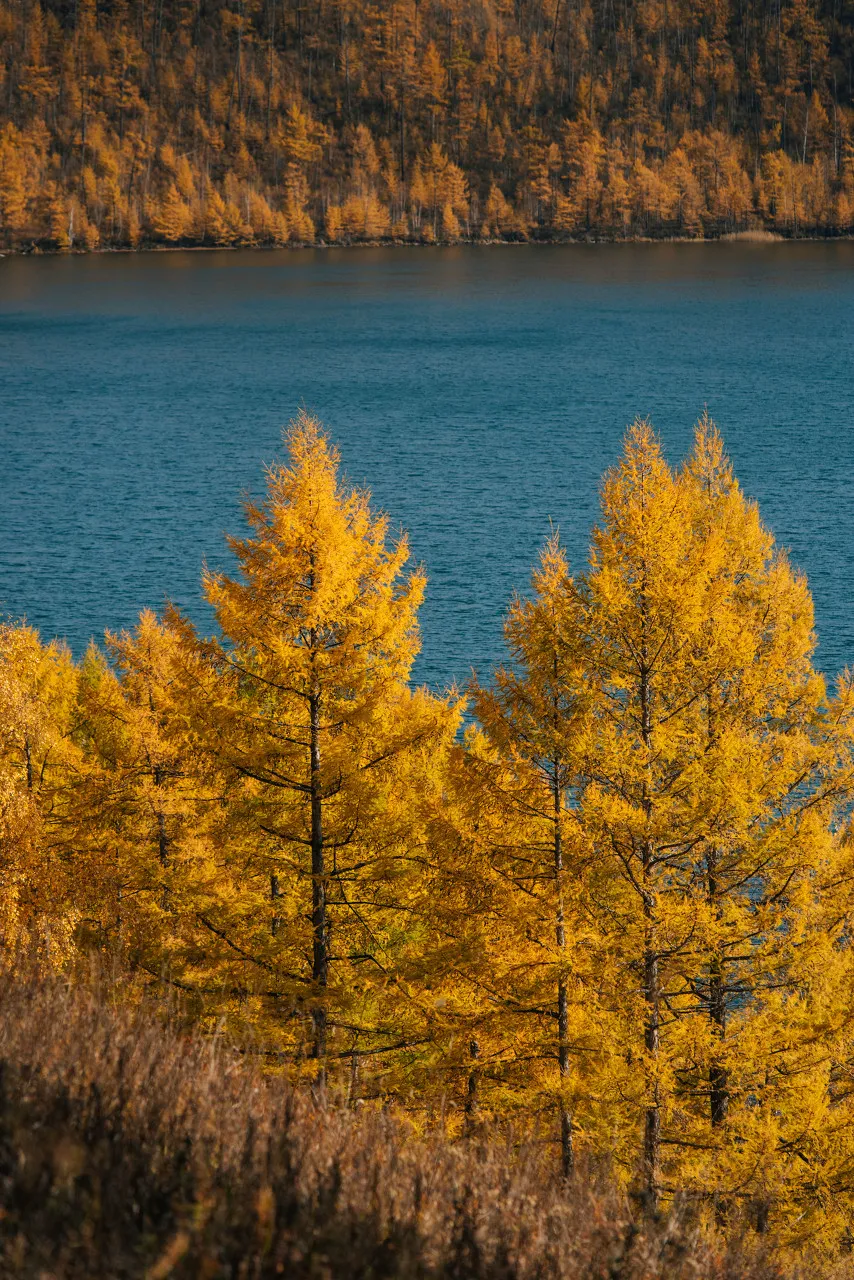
<point x="598" y="909"/>
<point x="755" y="236"/>
<point x="276" y="122"/>
<point x="731" y="237"/>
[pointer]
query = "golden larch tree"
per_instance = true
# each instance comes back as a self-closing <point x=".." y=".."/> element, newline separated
<point x="312" y="734"/>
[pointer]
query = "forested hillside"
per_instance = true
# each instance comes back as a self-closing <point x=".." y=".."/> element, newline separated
<point x="131" y="122"/>
<point x="613" y="913"/>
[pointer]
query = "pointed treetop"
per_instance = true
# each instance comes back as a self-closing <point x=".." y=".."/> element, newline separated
<point x="641" y="447"/>
<point x="318" y="571"/>
<point x="310" y="447"/>
<point x="709" y="464"/>
<point x="641" y="472"/>
<point x="642" y="509"/>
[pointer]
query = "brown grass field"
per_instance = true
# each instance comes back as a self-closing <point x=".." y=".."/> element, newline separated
<point x="131" y="1149"/>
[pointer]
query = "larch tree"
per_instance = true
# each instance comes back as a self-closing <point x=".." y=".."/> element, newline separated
<point x="132" y="122"/>
<point x="771" y="783"/>
<point x="38" y="758"/>
<point x="644" y="598"/>
<point x="534" y="718"/>
<point x="619" y="906"/>
<point x="648" y="835"/>
<point x="313" y="737"/>
<point x="135" y="803"/>
<point x="715" y="784"/>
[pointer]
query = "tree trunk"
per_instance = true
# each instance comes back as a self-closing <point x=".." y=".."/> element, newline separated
<point x="718" y="1082"/>
<point x="319" y="921"/>
<point x="554" y="28"/>
<point x="567" y="1155"/>
<point x="274" y="894"/>
<point x="162" y="837"/>
<point x="271" y="36"/>
<point x="652" y="1119"/>
<point x="718" y="1079"/>
<point x="471" y="1104"/>
<point x="651" y="975"/>
<point x="402" y="125"/>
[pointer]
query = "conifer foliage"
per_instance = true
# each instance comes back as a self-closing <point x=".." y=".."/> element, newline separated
<point x="240" y="123"/>
<point x="613" y="910"/>
<point x="309" y="734"/>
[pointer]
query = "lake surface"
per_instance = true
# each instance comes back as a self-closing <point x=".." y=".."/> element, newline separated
<point x="478" y="391"/>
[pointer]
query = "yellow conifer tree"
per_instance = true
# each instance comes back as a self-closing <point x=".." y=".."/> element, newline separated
<point x="534" y="717"/>
<point x="306" y="718"/>
<point x="38" y="756"/>
<point x="135" y="797"/>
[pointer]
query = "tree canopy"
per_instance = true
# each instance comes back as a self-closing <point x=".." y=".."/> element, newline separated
<point x="604" y="895"/>
<point x="267" y="122"/>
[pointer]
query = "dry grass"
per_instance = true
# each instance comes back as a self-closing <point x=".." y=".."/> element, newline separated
<point x="755" y="236"/>
<point x="129" y="1149"/>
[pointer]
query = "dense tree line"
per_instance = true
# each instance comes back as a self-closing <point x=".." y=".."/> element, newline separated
<point x="609" y="903"/>
<point x="276" y="121"/>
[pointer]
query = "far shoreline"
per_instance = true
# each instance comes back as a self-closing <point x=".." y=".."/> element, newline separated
<point x="755" y="237"/>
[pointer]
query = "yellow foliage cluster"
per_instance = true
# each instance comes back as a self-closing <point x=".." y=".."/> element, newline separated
<point x="123" y="125"/>
<point x="612" y="903"/>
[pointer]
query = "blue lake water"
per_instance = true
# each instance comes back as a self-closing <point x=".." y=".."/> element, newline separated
<point x="479" y="392"/>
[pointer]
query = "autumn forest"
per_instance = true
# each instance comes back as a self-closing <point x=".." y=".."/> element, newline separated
<point x="270" y="122"/>
<point x="600" y="900"/>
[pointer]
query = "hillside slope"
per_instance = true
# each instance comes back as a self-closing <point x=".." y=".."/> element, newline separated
<point x="128" y="1149"/>
<point x="273" y="121"/>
